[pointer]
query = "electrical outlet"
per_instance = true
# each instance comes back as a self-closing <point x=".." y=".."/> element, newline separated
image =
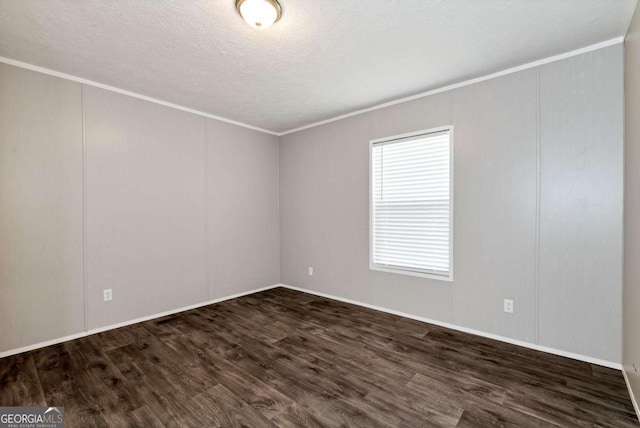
<point x="310" y="271"/>
<point x="108" y="295"/>
<point x="508" y="306"/>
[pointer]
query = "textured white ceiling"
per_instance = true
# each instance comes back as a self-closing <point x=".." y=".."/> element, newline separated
<point x="323" y="58"/>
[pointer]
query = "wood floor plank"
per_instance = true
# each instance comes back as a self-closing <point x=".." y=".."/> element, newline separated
<point x="164" y="397"/>
<point x="296" y="416"/>
<point x="285" y="373"/>
<point x="223" y="409"/>
<point x="143" y="417"/>
<point x="555" y="413"/>
<point x="306" y="383"/>
<point x="426" y="364"/>
<point x="543" y="400"/>
<point x="100" y="384"/>
<point x="290" y="359"/>
<point x="61" y="381"/>
<point x="19" y="382"/>
<point x="413" y="362"/>
<point x="360" y="360"/>
<point x="251" y="390"/>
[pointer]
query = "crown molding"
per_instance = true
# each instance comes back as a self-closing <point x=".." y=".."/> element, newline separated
<point x="516" y="69"/>
<point x="88" y="82"/>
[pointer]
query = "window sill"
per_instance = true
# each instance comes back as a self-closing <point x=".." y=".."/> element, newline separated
<point x="436" y="277"/>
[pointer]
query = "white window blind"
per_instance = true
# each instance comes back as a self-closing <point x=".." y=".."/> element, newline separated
<point x="411" y="185"/>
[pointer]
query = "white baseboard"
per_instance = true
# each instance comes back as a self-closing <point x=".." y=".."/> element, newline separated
<point x="129" y="322"/>
<point x="633" y="398"/>
<point x="524" y="344"/>
<point x="354" y="302"/>
<point x="42" y="344"/>
<point x="579" y="357"/>
<point x="175" y="311"/>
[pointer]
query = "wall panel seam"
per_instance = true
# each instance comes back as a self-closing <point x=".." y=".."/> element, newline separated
<point x="278" y="224"/>
<point x="453" y="219"/>
<point x="537" y="216"/>
<point x="322" y="233"/>
<point x="624" y="184"/>
<point x="85" y="273"/>
<point x="370" y="286"/>
<point x="207" y="252"/>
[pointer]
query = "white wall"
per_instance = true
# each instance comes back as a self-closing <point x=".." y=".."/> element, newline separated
<point x="145" y="187"/>
<point x="178" y="209"/>
<point x="242" y="209"/>
<point x="581" y="199"/>
<point x="41" y="285"/>
<point x="538" y="206"/>
<point x="631" y="300"/>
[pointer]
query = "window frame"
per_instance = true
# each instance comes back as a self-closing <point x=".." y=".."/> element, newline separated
<point x="414" y="135"/>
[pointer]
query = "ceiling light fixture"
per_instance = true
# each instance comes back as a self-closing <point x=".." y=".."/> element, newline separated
<point x="260" y="14"/>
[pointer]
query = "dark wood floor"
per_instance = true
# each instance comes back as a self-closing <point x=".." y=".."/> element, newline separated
<point x="284" y="358"/>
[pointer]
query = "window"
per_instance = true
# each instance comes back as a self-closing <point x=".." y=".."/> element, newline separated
<point x="411" y="208"/>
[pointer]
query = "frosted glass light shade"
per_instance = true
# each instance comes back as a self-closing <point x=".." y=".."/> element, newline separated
<point x="260" y="14"/>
